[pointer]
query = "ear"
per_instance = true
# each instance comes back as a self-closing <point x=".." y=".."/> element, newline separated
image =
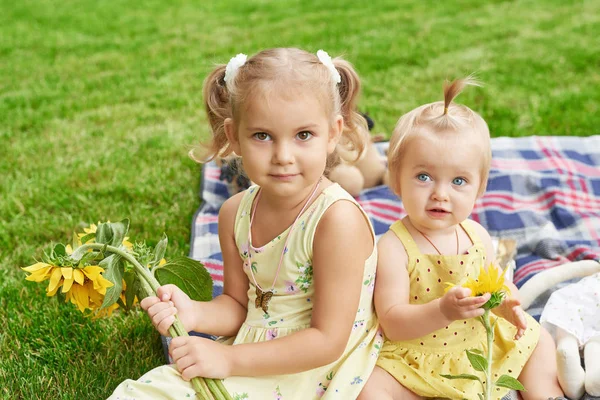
<point x="232" y="135"/>
<point x="335" y="133"/>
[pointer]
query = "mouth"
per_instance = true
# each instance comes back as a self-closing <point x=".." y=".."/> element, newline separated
<point x="283" y="176"/>
<point x="437" y="212"/>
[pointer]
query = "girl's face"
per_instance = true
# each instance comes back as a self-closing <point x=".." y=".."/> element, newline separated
<point x="284" y="141"/>
<point x="439" y="181"/>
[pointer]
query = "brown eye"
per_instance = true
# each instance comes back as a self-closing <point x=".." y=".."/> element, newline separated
<point x="262" y="136"/>
<point x="304" y="136"/>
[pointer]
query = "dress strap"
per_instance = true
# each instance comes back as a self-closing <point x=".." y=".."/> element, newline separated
<point x="405" y="237"/>
<point x="467" y="225"/>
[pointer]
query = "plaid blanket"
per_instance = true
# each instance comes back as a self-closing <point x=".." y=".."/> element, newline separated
<point x="542" y="191"/>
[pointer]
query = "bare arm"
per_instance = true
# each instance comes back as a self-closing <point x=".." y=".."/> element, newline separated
<point x="399" y="319"/>
<point x="224" y="315"/>
<point x="342" y="243"/>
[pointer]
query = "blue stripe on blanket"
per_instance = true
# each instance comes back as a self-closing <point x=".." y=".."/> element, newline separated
<point x="542" y="191"/>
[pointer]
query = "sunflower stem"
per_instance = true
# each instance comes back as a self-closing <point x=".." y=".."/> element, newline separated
<point x="489" y="385"/>
<point x="149" y="286"/>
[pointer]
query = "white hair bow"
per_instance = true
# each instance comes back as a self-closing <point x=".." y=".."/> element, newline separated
<point x="326" y="60"/>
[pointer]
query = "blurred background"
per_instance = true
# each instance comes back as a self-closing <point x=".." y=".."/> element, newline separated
<point x="100" y="102"/>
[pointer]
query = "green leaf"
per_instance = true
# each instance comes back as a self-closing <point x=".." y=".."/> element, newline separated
<point x="85" y="238"/>
<point x="507" y="381"/>
<point x="159" y="250"/>
<point x="461" y="376"/>
<point x="104" y="233"/>
<point x="187" y="274"/>
<point x="60" y="250"/>
<point x="113" y="271"/>
<point x="476" y="351"/>
<point x="90" y="256"/>
<point x="119" y="231"/>
<point x="477" y="361"/>
<point x="132" y="284"/>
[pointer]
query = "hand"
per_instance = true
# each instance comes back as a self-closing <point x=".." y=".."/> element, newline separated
<point x="196" y="356"/>
<point x="457" y="304"/>
<point x="161" y="309"/>
<point x="511" y="310"/>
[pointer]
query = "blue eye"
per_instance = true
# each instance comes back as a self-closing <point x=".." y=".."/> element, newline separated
<point x="423" y="177"/>
<point x="304" y="136"/>
<point x="261" y="136"/>
<point x="459" y="181"/>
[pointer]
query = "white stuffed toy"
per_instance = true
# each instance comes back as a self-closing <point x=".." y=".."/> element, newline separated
<point x="572" y="315"/>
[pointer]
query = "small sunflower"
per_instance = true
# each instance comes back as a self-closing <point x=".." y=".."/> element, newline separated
<point x="489" y="281"/>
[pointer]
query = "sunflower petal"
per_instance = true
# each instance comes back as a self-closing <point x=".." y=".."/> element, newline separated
<point x="55" y="279"/>
<point x="78" y="276"/>
<point x="35" y="267"/>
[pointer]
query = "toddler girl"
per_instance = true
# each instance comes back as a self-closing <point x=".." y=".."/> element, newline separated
<point x="439" y="160"/>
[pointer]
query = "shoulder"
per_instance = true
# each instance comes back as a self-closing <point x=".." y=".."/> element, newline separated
<point x="390" y="247"/>
<point x="344" y="221"/>
<point x="483" y="234"/>
<point x="229" y="208"/>
<point x="485" y="238"/>
<point x="344" y="215"/>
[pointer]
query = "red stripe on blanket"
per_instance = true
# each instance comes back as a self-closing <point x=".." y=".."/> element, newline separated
<point x="511" y="164"/>
<point x="207" y="218"/>
<point x="215" y="268"/>
<point x="511" y="202"/>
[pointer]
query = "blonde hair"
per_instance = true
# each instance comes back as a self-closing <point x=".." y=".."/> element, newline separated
<point x="273" y="69"/>
<point x="440" y="118"/>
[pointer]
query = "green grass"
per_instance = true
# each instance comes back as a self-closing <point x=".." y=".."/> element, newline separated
<point x="100" y="102"/>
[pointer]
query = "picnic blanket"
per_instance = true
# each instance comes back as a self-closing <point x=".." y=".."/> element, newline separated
<point x="543" y="191"/>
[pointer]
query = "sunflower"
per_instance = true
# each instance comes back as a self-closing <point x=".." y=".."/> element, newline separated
<point x="84" y="287"/>
<point x="489" y="281"/>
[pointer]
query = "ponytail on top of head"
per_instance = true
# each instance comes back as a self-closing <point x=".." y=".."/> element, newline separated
<point x="442" y="118"/>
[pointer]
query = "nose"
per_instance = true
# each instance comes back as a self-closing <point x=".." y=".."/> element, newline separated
<point x="440" y="192"/>
<point x="283" y="153"/>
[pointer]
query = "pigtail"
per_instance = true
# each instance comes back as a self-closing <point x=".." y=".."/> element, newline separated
<point x="218" y="108"/>
<point x="355" y="135"/>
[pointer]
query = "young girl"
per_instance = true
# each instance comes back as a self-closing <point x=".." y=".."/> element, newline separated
<point x="298" y="251"/>
<point x="439" y="160"/>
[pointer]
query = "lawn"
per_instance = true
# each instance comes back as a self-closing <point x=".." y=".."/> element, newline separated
<point x="100" y="102"/>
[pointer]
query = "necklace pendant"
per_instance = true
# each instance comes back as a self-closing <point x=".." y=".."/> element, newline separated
<point x="263" y="299"/>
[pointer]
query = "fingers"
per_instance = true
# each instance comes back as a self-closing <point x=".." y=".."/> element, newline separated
<point x="474" y="313"/>
<point x="148" y="302"/>
<point x="165" y="292"/>
<point x="474" y="302"/>
<point x="182" y="350"/>
<point x="162" y="315"/>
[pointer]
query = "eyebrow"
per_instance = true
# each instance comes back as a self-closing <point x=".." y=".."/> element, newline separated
<point x="301" y="128"/>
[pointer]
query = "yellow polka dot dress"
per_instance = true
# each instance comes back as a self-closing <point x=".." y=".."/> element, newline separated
<point x="419" y="363"/>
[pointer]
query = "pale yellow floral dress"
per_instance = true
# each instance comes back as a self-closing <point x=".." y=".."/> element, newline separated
<point x="289" y="311"/>
<point x="418" y="364"/>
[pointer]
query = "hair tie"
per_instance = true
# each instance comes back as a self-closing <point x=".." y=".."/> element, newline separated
<point x="326" y="61"/>
<point x="233" y="67"/>
<point x="445" y="110"/>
